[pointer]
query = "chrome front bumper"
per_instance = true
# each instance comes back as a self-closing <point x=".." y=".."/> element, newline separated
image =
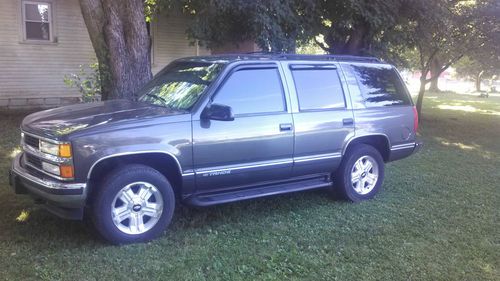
<point x="54" y="193"/>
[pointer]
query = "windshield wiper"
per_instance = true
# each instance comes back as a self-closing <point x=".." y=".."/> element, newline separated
<point x="163" y="101"/>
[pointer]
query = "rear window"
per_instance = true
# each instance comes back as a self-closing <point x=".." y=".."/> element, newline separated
<point x="380" y="86"/>
<point x="318" y="88"/>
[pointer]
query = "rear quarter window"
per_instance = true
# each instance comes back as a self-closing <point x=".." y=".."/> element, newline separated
<point x="380" y="85"/>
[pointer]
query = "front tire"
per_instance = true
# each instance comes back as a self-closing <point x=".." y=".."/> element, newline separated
<point x="361" y="173"/>
<point x="135" y="203"/>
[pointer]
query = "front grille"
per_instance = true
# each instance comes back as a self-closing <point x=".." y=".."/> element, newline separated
<point x="31" y="141"/>
<point x="36" y="173"/>
<point x="33" y="161"/>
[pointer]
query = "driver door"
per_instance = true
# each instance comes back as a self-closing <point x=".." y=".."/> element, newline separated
<point x="255" y="147"/>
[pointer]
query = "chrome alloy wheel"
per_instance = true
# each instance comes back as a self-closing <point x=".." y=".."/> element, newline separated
<point x="364" y="175"/>
<point x="137" y="208"/>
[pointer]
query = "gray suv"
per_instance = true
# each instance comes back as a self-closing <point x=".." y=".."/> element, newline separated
<point x="218" y="129"/>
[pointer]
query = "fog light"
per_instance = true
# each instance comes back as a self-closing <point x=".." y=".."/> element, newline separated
<point x="51" y="168"/>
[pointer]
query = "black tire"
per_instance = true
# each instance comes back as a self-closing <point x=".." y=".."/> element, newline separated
<point x="112" y="184"/>
<point x="343" y="185"/>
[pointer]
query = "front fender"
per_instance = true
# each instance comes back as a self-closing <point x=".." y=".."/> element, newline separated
<point x="172" y="139"/>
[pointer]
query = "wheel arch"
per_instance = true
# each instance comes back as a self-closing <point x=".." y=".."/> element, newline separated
<point x="378" y="141"/>
<point x="164" y="162"/>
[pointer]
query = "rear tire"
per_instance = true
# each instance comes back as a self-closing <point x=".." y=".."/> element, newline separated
<point x="134" y="203"/>
<point x="361" y="173"/>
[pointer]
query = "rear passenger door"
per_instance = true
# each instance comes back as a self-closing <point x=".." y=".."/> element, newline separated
<point x="322" y="116"/>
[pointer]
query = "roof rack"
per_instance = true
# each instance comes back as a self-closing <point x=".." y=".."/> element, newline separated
<point x="277" y="55"/>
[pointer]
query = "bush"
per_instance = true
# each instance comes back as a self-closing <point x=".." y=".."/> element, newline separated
<point x="87" y="81"/>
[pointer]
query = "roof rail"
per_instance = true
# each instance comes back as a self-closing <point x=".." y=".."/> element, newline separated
<point x="330" y="57"/>
<point x="281" y="55"/>
<point x="264" y="53"/>
<point x="355" y="58"/>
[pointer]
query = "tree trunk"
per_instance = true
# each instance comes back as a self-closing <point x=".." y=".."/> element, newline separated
<point x="434" y="85"/>
<point x="355" y="44"/>
<point x="479" y="77"/>
<point x="421" y="92"/>
<point x="120" y="39"/>
<point x="435" y="68"/>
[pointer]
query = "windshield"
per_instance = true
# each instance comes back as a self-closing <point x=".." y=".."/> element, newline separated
<point x="180" y="84"/>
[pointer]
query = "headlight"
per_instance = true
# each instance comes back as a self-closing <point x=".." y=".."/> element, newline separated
<point x="51" y="168"/>
<point x="62" y="150"/>
<point x="49" y="148"/>
<point x="64" y="171"/>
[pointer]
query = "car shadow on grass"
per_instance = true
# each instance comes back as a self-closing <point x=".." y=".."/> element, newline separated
<point x="31" y="224"/>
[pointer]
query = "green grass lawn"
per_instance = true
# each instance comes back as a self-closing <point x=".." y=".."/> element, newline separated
<point x="437" y="218"/>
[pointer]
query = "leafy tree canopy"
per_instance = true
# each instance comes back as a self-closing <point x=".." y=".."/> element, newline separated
<point x="273" y="24"/>
<point x="355" y="27"/>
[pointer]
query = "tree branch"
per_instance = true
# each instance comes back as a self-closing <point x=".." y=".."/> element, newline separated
<point x="431" y="57"/>
<point x="322" y="46"/>
<point x="446" y="66"/>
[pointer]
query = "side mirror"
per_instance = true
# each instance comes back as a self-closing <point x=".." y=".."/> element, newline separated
<point x="218" y="112"/>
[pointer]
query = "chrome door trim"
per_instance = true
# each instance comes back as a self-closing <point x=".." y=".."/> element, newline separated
<point x="227" y="169"/>
<point x="317" y="157"/>
<point x="403" y="146"/>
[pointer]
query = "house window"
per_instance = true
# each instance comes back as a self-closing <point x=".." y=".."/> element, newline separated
<point x="37" y="20"/>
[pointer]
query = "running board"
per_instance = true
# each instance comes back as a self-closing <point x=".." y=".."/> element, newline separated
<point x="203" y="200"/>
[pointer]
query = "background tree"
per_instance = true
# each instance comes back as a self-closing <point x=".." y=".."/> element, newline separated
<point x="484" y="62"/>
<point x="437" y="32"/>
<point x="478" y="68"/>
<point x="442" y="29"/>
<point x="355" y="27"/>
<point x="434" y="70"/>
<point x="275" y="25"/>
<point x="120" y="39"/>
<point x="478" y="23"/>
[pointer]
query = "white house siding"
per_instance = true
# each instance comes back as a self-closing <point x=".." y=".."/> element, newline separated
<point x="170" y="41"/>
<point x="32" y="74"/>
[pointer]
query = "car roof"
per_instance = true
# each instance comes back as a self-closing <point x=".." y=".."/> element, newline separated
<point x="227" y="58"/>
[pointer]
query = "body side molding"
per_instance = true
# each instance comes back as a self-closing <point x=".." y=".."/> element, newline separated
<point x="184" y="174"/>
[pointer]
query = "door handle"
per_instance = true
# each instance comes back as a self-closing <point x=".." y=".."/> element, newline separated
<point x="286" y="127"/>
<point x="347" y="121"/>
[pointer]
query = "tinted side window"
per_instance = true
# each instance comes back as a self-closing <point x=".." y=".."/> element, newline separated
<point x="252" y="91"/>
<point x="380" y="86"/>
<point x="318" y="89"/>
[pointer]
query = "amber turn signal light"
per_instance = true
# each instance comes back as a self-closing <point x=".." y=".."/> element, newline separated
<point x="67" y="171"/>
<point x="65" y="150"/>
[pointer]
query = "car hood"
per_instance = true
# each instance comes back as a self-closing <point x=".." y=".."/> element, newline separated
<point x="59" y="122"/>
